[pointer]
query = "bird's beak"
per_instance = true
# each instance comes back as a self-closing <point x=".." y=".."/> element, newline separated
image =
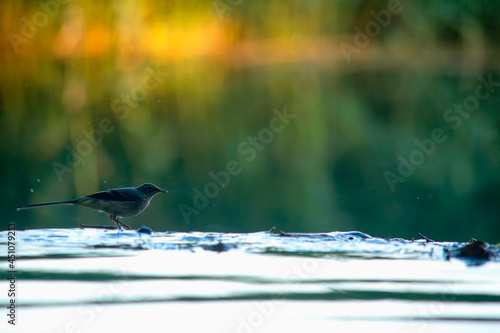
<point x="163" y="191"/>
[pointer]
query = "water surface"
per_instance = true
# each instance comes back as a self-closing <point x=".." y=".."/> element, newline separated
<point x="86" y="280"/>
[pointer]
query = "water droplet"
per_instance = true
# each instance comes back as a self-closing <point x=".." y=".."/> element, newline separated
<point x="106" y="98"/>
<point x="105" y="182"/>
<point x="213" y="205"/>
<point x="159" y="101"/>
<point x="38" y="179"/>
<point x="73" y="65"/>
<point x="26" y="85"/>
<point x="418" y="198"/>
<point x="32" y="190"/>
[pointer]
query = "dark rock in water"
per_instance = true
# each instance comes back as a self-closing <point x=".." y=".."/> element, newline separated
<point x="145" y="230"/>
<point x="475" y="253"/>
<point x="476" y="249"/>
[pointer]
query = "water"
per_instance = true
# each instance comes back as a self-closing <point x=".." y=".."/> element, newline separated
<point x="85" y="280"/>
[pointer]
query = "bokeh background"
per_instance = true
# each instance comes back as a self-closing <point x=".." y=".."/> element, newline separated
<point x="70" y="68"/>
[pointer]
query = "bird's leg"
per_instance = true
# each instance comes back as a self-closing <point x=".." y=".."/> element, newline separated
<point x="118" y="223"/>
<point x="123" y="224"/>
<point x="113" y="227"/>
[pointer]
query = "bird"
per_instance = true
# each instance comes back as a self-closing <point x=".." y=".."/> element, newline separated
<point x="119" y="202"/>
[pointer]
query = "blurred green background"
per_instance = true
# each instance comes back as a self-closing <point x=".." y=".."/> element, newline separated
<point x="69" y="69"/>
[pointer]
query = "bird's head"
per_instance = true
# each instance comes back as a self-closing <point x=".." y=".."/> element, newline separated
<point x="150" y="189"/>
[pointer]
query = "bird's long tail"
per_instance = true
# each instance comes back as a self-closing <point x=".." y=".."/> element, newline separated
<point x="65" y="202"/>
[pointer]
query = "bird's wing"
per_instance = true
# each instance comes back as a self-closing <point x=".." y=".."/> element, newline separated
<point x="121" y="195"/>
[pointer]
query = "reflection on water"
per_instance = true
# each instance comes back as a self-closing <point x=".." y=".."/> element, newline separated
<point x="97" y="280"/>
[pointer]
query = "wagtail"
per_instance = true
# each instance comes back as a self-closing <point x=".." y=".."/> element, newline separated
<point x="120" y="202"/>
